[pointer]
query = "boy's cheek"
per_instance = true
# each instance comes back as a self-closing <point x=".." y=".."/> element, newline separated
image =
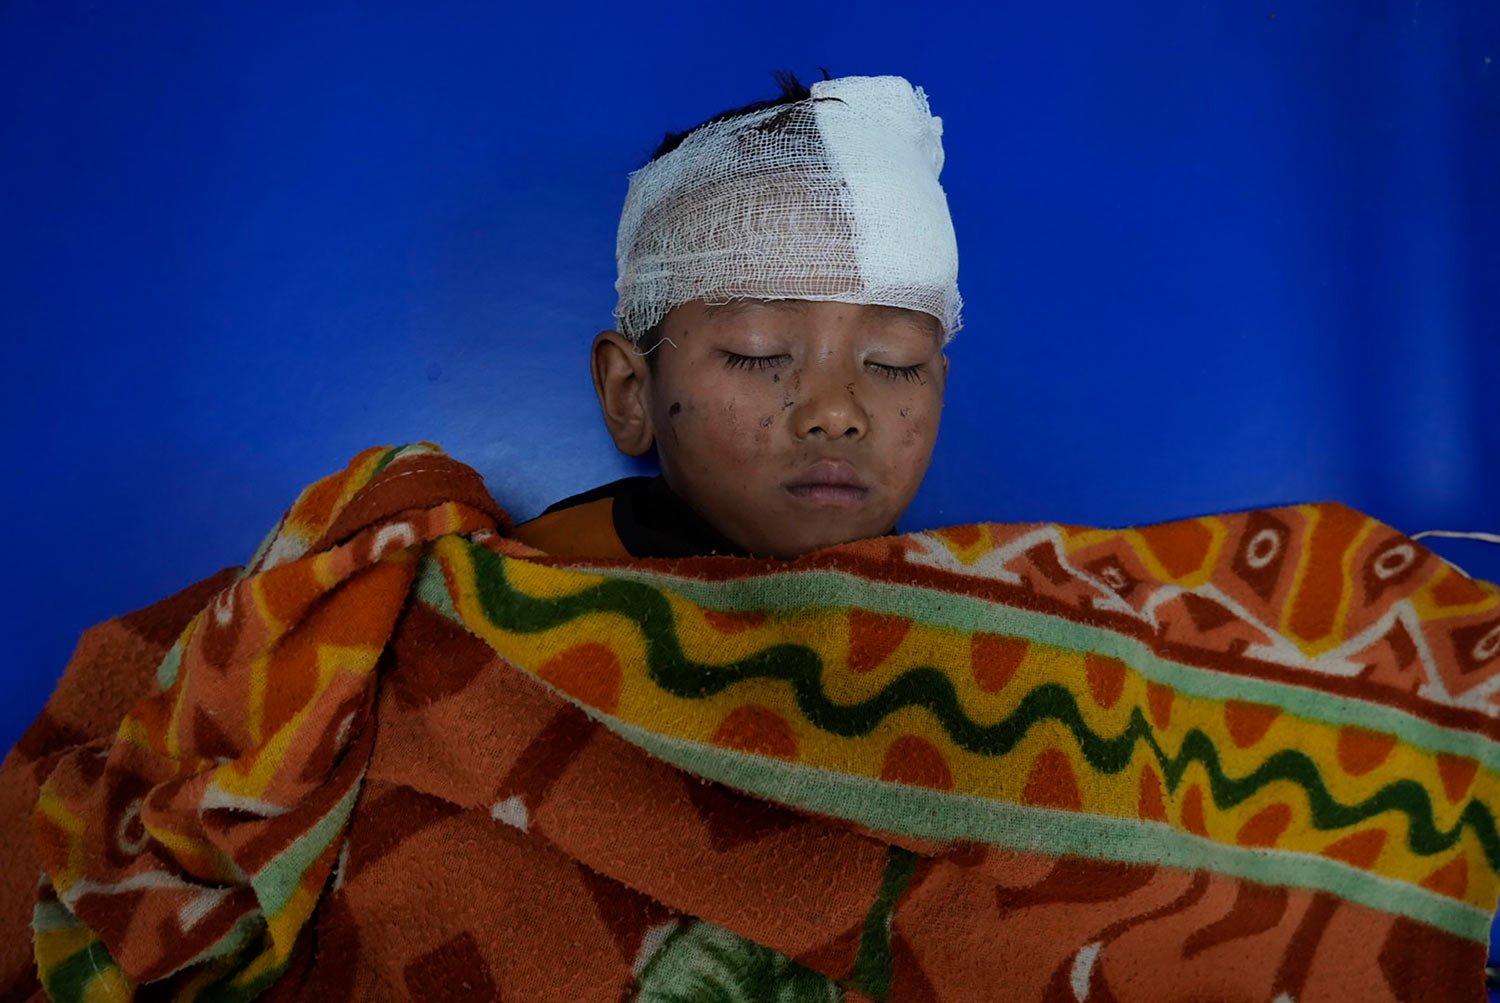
<point x="729" y="419"/>
<point x="712" y="437"/>
<point x="918" y="429"/>
<point x="909" y="416"/>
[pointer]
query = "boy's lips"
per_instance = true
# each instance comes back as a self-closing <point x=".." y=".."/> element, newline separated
<point x="829" y="482"/>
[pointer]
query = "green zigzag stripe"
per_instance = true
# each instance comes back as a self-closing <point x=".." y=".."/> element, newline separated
<point x="926" y="687"/>
<point x="801" y="590"/>
<point x="945" y="816"/>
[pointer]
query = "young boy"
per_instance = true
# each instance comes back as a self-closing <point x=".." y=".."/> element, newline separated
<point x="788" y="281"/>
<point x="787" y="286"/>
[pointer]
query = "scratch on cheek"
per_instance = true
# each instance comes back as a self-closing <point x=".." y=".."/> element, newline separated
<point x="906" y="412"/>
<point x="766" y="421"/>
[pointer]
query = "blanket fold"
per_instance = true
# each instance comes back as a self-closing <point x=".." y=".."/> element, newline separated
<point x="399" y="754"/>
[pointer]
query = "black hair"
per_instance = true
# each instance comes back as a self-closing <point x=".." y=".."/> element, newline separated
<point x="792" y="91"/>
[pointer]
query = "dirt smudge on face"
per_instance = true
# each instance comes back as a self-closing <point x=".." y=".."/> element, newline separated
<point x="915" y="430"/>
<point x="675" y="409"/>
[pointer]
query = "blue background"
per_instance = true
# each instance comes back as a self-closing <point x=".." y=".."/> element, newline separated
<point x="1216" y="256"/>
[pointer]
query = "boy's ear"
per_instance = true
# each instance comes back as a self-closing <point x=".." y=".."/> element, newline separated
<point x="622" y="383"/>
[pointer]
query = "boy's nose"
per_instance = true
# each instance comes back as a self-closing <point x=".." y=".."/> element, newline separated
<point x="830" y="406"/>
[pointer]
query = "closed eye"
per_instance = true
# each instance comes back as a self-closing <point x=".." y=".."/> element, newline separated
<point x="734" y="361"/>
<point x="911" y="374"/>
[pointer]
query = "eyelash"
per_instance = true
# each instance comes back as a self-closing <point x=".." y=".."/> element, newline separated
<point x="734" y="361"/>
<point x="911" y="374"/>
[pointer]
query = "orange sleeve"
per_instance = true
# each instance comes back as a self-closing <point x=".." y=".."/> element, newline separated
<point x="586" y="530"/>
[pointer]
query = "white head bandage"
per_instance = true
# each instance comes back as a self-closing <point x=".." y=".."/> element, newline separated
<point x="832" y="198"/>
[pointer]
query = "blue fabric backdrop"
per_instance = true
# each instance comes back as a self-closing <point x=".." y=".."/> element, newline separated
<point x="1216" y="256"/>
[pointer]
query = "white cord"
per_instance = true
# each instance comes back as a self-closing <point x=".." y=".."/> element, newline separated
<point x="667" y="341"/>
<point x="1486" y="537"/>
<point x="1482" y="537"/>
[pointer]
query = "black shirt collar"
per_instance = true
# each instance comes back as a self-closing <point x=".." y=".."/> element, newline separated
<point x="651" y="520"/>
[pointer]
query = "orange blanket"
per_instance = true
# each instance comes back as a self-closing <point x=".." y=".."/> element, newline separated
<point x="401" y="755"/>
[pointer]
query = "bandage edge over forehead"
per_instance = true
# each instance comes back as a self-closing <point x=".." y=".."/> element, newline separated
<point x="837" y="199"/>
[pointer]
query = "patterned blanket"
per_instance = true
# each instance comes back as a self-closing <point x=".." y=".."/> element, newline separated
<point x="401" y="755"/>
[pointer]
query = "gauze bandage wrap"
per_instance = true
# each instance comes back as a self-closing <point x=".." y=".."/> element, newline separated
<point x="832" y="198"/>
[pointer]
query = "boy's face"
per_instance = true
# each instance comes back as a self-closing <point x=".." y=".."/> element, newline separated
<point x="789" y="425"/>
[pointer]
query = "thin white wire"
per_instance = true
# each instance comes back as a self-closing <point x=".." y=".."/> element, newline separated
<point x="1453" y="534"/>
<point x="663" y="341"/>
<point x="1486" y="537"/>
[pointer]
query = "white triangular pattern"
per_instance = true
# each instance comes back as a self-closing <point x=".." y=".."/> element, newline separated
<point x="1083" y="969"/>
<point x="511" y="811"/>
